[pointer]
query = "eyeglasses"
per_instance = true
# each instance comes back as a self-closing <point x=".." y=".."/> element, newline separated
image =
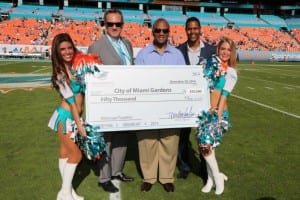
<point x="117" y="24"/>
<point x="159" y="30"/>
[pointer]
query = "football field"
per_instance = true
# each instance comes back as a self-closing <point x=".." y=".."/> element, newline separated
<point x="259" y="154"/>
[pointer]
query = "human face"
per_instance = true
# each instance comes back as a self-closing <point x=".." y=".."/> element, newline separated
<point x="224" y="52"/>
<point x="114" y="25"/>
<point x="193" y="31"/>
<point x="66" y="51"/>
<point x="161" y="33"/>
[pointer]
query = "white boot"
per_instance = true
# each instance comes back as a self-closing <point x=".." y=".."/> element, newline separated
<point x="220" y="183"/>
<point x="66" y="189"/>
<point x="218" y="177"/>
<point x="210" y="182"/>
<point x="61" y="165"/>
<point x="76" y="196"/>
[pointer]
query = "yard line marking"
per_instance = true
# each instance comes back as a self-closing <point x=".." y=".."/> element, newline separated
<point x="288" y="88"/>
<point x="280" y="68"/>
<point x="266" y="106"/>
<point x="36" y="66"/>
<point x="269" y="88"/>
<point x="251" y="88"/>
<point x="38" y="70"/>
<point x="257" y="79"/>
<point x="268" y="72"/>
<point x="116" y="195"/>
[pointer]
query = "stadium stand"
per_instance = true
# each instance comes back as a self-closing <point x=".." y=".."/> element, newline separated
<point x="271" y="39"/>
<point x="37" y="25"/>
<point x="5" y="7"/>
<point x="138" y="34"/>
<point x="213" y="19"/>
<point x="133" y="16"/>
<point x="80" y="13"/>
<point x="173" y="17"/>
<point x="24" y="31"/>
<point x="296" y="34"/>
<point x="33" y="11"/>
<point x="84" y="33"/>
<point x="246" y="20"/>
<point x="293" y="22"/>
<point x="273" y="21"/>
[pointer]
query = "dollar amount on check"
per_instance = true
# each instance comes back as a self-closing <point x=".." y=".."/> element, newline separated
<point x="146" y="97"/>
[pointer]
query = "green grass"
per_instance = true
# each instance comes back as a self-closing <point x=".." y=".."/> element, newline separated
<point x="260" y="153"/>
<point x="25" y="67"/>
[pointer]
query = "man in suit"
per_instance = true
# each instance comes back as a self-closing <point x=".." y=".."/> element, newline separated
<point x="112" y="49"/>
<point x="195" y="52"/>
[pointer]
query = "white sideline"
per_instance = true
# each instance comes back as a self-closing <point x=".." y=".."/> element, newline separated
<point x="289" y="88"/>
<point x="116" y="195"/>
<point x="267" y="72"/>
<point x="266" y="106"/>
<point x="273" y="82"/>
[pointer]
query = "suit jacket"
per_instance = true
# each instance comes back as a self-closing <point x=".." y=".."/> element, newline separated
<point x="113" y="164"/>
<point x="106" y="52"/>
<point x="206" y="51"/>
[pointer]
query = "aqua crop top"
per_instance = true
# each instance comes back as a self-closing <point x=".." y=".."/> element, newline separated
<point x="225" y="83"/>
<point x="70" y="91"/>
<point x="76" y="87"/>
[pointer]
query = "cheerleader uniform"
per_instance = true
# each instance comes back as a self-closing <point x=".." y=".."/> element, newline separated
<point x="61" y="115"/>
<point x="211" y="130"/>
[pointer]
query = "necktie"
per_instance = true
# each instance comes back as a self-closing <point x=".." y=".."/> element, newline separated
<point x="120" y="52"/>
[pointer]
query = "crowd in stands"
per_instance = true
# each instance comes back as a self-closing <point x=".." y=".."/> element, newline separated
<point x="24" y="31"/>
<point x="254" y="38"/>
<point x="296" y="33"/>
<point x="84" y="33"/>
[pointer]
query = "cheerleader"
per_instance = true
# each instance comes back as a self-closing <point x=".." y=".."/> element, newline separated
<point x="214" y="123"/>
<point x="67" y="79"/>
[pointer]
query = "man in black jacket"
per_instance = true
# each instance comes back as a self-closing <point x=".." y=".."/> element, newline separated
<point x="195" y="52"/>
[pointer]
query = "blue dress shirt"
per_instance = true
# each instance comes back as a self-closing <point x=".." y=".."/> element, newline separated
<point x="150" y="56"/>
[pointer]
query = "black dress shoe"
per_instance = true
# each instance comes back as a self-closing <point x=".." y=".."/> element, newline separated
<point x="169" y="187"/>
<point x="183" y="175"/>
<point x="123" y="177"/>
<point x="145" y="187"/>
<point x="108" y="186"/>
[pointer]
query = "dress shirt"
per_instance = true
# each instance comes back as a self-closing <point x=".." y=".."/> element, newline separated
<point x="150" y="56"/>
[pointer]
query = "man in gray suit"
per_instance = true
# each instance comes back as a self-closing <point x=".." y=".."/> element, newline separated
<point x="112" y="49"/>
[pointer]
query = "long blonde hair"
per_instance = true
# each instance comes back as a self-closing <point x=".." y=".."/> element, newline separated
<point x="233" y="56"/>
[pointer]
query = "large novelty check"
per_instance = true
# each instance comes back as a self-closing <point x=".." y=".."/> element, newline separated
<point x="146" y="97"/>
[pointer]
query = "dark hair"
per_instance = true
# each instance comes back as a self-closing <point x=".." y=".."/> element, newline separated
<point x="192" y="19"/>
<point x="58" y="65"/>
<point x="113" y="11"/>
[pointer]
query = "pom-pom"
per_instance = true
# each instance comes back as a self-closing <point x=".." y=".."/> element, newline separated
<point x="211" y="69"/>
<point x="93" y="145"/>
<point x="80" y="60"/>
<point x="210" y="129"/>
<point x="83" y="64"/>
